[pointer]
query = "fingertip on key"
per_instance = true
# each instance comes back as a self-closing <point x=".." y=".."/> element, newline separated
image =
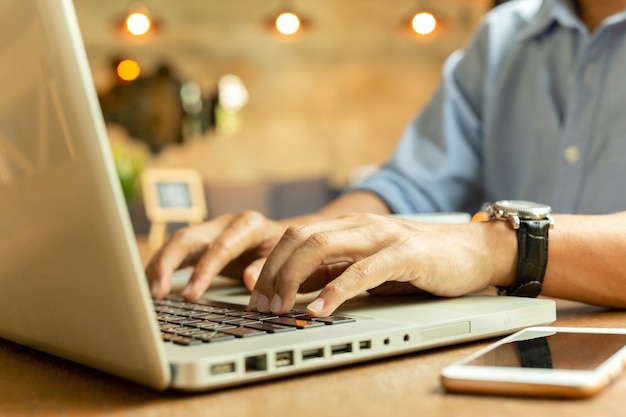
<point x="263" y="304"/>
<point x="254" y="299"/>
<point x="316" y="306"/>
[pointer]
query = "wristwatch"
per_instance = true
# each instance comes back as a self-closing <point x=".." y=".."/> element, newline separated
<point x="532" y="222"/>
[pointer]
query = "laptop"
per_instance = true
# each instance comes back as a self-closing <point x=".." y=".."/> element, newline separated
<point x="72" y="282"/>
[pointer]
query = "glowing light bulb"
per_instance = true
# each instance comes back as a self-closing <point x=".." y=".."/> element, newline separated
<point x="424" y="23"/>
<point x="287" y="23"/>
<point x="233" y="94"/>
<point x="138" y="23"/>
<point x="128" y="70"/>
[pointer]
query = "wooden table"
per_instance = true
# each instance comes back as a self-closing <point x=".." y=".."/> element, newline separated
<point x="37" y="384"/>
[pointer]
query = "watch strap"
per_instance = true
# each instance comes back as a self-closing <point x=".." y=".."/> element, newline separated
<point x="535" y="353"/>
<point x="532" y="259"/>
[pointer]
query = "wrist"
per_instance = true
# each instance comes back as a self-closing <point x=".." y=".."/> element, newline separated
<point x="501" y="253"/>
<point x="531" y="222"/>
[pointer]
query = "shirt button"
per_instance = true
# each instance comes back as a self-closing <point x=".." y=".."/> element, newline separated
<point x="572" y="154"/>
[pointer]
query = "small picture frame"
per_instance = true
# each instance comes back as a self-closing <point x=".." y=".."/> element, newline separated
<point x="172" y="196"/>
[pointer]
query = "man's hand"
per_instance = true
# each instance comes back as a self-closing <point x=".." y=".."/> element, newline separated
<point x="235" y="245"/>
<point x="359" y="252"/>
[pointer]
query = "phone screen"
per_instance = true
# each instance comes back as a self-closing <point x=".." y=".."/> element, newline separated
<point x="561" y="350"/>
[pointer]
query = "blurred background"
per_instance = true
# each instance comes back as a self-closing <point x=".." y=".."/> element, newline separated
<point x="273" y="121"/>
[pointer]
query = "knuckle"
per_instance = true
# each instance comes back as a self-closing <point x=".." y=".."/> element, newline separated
<point x="295" y="233"/>
<point x="181" y="235"/>
<point x="335" y="290"/>
<point x="318" y="240"/>
<point x="362" y="269"/>
<point x="222" y="246"/>
<point x="359" y="216"/>
<point x="250" y="217"/>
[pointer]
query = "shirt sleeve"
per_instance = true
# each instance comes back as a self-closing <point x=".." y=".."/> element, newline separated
<point x="437" y="164"/>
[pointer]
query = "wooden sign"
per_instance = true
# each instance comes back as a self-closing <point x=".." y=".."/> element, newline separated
<point x="171" y="196"/>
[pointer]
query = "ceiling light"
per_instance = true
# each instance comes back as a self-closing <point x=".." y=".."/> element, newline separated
<point x="128" y="70"/>
<point x="287" y="24"/>
<point x="138" y="24"/>
<point x="233" y="94"/>
<point x="423" y="25"/>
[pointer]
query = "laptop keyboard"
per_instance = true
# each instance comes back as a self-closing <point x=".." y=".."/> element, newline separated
<point x="189" y="323"/>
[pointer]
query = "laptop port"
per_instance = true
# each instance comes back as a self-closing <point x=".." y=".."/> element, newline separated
<point x="222" y="368"/>
<point x="341" y="348"/>
<point x="308" y="354"/>
<point x="256" y="363"/>
<point x="365" y="344"/>
<point x="284" y="359"/>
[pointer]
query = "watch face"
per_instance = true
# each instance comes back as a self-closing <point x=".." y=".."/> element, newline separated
<point x="524" y="209"/>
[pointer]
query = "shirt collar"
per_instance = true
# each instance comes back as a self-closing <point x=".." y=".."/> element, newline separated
<point x="562" y="12"/>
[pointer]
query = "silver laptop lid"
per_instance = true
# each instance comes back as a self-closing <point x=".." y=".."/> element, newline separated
<point x="71" y="281"/>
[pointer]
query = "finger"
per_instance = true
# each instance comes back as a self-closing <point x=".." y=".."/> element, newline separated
<point x="322" y="276"/>
<point x="264" y="286"/>
<point x="295" y="236"/>
<point x="243" y="232"/>
<point x="299" y="254"/>
<point x="252" y="272"/>
<point x="356" y="279"/>
<point x="266" y="295"/>
<point x="182" y="249"/>
<point x="174" y="254"/>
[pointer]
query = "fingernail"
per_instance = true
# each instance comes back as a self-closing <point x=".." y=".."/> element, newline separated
<point x="187" y="292"/>
<point x="316" y="305"/>
<point x="254" y="299"/>
<point x="277" y="304"/>
<point x="263" y="304"/>
<point x="154" y="287"/>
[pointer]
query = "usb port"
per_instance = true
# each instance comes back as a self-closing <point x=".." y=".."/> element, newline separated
<point x="341" y="348"/>
<point x="284" y="359"/>
<point x="312" y="353"/>
<point x="256" y="363"/>
<point x="222" y="368"/>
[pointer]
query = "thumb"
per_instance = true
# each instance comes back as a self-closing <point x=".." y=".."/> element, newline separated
<point x="252" y="272"/>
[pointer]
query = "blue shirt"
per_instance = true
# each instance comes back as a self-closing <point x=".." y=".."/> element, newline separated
<point x="534" y="108"/>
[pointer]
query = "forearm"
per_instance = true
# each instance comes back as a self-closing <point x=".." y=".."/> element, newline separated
<point x="586" y="259"/>
<point x="354" y="202"/>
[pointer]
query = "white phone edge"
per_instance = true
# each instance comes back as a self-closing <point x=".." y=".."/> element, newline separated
<point x="460" y="377"/>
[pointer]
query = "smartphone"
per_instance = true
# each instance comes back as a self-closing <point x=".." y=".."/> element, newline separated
<point x="542" y="361"/>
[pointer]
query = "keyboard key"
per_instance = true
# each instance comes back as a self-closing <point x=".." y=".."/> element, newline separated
<point x="189" y="323"/>
<point x="334" y="319"/>
<point x="210" y="337"/>
<point x="213" y="317"/>
<point x="261" y="316"/>
<point x="297" y="313"/>
<point x="164" y="326"/>
<point x="243" y="332"/>
<point x="174" y="319"/>
<point x="168" y="337"/>
<point x="189" y="332"/>
<point x="270" y="327"/>
<point x="294" y="322"/>
<point x="187" y="341"/>
<point x="210" y="325"/>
